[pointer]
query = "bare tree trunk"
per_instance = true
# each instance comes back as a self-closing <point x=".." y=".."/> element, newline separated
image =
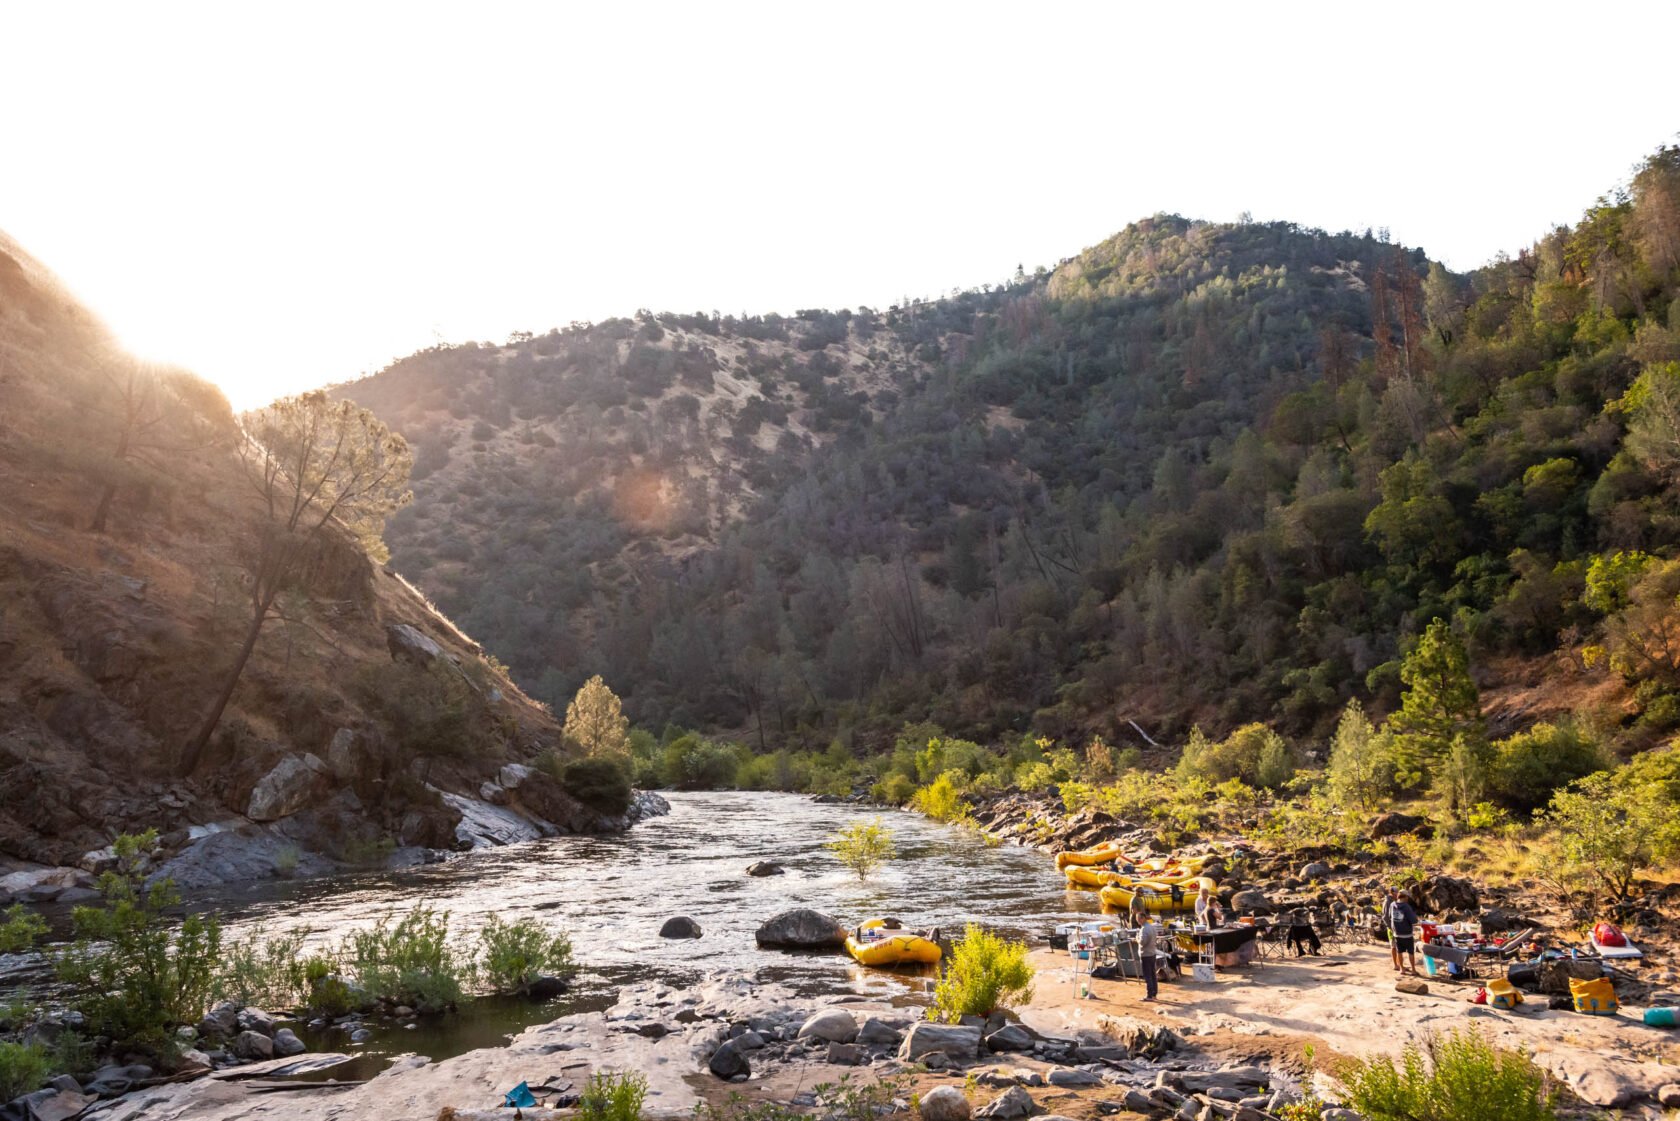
<point x="195" y="751"/>
<point x="104" y="509"/>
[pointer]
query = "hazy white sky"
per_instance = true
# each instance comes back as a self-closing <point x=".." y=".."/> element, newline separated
<point x="284" y="195"/>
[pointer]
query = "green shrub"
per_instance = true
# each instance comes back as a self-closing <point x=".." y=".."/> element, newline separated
<point x="328" y="992"/>
<point x="19" y="931"/>
<point x="409" y="961"/>
<point x="1528" y="767"/>
<point x="134" y="974"/>
<point x="23" y="1069"/>
<point x="600" y="784"/>
<point x="1075" y="795"/>
<point x="1459" y="1076"/>
<point x="1363" y="761"/>
<point x="691" y="763"/>
<point x="516" y="953"/>
<point x="1609" y="832"/>
<point x="863" y="847"/>
<point x="983" y="973"/>
<point x="1253" y="753"/>
<point x="612" y="1096"/>
<point x="939" y="800"/>
<point x="263" y="969"/>
<point x="896" y="789"/>
<point x="1136" y="796"/>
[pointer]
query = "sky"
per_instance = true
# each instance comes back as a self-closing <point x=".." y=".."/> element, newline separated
<point x="279" y="196"/>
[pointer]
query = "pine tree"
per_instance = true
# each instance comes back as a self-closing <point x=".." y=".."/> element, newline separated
<point x="1441" y="702"/>
<point x="595" y="721"/>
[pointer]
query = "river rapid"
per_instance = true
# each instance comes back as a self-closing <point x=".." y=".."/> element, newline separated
<point x="611" y="895"/>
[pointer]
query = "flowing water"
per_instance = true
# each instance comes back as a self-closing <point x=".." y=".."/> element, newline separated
<point x="611" y="894"/>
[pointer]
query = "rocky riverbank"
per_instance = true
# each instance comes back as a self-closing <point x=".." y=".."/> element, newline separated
<point x="241" y="850"/>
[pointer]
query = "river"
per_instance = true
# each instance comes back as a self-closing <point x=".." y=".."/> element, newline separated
<point x="611" y="894"/>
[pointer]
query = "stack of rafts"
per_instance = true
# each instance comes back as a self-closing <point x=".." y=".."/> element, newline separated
<point x="1162" y="885"/>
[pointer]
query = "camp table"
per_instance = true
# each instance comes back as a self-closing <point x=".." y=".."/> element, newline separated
<point x="1207" y="945"/>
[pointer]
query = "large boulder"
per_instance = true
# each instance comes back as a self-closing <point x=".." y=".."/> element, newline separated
<point x="220" y="1022"/>
<point x="1442" y="894"/>
<point x="290" y="786"/>
<point x="955" y="1041"/>
<point x="1393" y="824"/>
<point x="765" y="868"/>
<point x="1012" y="1103"/>
<point x="287" y="1044"/>
<point x="350" y="758"/>
<point x="1250" y="901"/>
<point x="1010" y="1037"/>
<point x="1072" y="1078"/>
<point x="835" y="1025"/>
<point x="253" y="1045"/>
<point x="728" y="1061"/>
<point x="801" y="929"/>
<point x="680" y="927"/>
<point x="878" y="1032"/>
<point x="944" y="1103"/>
<point x="409" y="645"/>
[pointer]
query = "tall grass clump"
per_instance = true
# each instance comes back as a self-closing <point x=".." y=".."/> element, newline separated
<point x="23" y="1069"/>
<point x="513" y="954"/>
<point x="982" y="974"/>
<point x="1458" y="1076"/>
<point x="263" y="969"/>
<point x="21" y="928"/>
<point x="408" y="960"/>
<point x="612" y="1096"/>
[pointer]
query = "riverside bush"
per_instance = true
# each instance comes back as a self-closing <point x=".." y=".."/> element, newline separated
<point x="19" y="931"/>
<point x="407" y="960"/>
<point x="983" y="973"/>
<point x="863" y="847"/>
<point x="896" y="789"/>
<point x="513" y="954"/>
<point x="1459" y="1076"/>
<point x="134" y="976"/>
<point x="612" y="1096"/>
<point x="263" y="969"/>
<point x="600" y="784"/>
<point x="940" y="801"/>
<point x="23" y="1069"/>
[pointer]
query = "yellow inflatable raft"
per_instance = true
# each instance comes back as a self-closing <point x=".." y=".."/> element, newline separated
<point x="1093" y="878"/>
<point x="1161" y="897"/>
<point x="874" y="944"/>
<point x="1101" y="854"/>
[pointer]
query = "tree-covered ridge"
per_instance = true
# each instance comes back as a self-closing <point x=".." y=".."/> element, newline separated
<point x="1214" y="472"/>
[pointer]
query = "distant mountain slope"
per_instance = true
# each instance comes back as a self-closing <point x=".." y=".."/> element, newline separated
<point x="1200" y="472"/>
<point x="113" y="642"/>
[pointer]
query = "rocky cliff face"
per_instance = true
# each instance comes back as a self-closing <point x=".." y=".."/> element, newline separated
<point x="363" y="711"/>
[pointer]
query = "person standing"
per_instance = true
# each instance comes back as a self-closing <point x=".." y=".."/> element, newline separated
<point x="1400" y="919"/>
<point x="1148" y="942"/>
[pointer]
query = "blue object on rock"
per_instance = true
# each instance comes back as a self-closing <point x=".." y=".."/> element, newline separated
<point x="520" y="1096"/>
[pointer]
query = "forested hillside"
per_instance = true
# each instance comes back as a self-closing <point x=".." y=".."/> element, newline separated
<point x="1201" y="472"/>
